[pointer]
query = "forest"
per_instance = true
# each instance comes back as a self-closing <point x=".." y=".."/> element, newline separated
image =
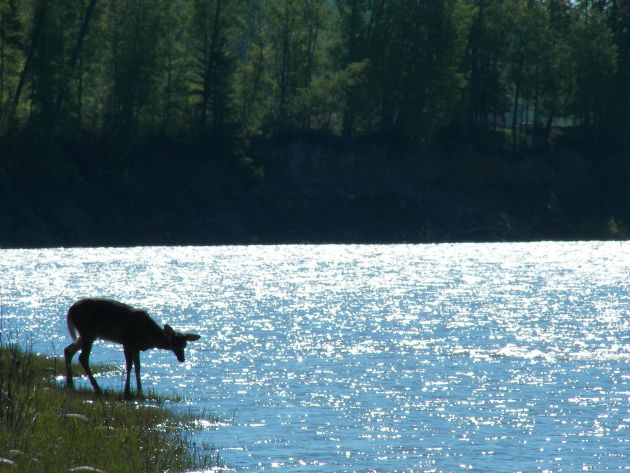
<point x="496" y="76"/>
<point x="133" y="69"/>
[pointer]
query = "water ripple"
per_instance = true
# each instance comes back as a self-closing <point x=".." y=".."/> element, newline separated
<point x="495" y="357"/>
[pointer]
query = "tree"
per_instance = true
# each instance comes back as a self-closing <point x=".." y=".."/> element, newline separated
<point x="554" y="86"/>
<point x="415" y="51"/>
<point x="531" y="66"/>
<point x="619" y="121"/>
<point x="295" y="29"/>
<point x="213" y="63"/>
<point x="132" y="29"/>
<point x="39" y="18"/>
<point x="11" y="37"/>
<point x="351" y="53"/>
<point x="174" y="61"/>
<point x="255" y="88"/>
<point x="487" y="54"/>
<point x="593" y="65"/>
<point x="85" y="18"/>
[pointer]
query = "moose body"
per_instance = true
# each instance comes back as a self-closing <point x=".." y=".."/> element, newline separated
<point x="120" y="323"/>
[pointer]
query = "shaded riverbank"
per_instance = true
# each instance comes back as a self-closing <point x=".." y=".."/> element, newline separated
<point x="313" y="189"/>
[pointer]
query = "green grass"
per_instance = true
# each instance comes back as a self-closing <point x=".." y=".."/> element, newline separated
<point x="47" y="428"/>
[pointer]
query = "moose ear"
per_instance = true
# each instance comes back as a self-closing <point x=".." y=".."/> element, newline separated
<point x="168" y="330"/>
<point x="192" y="337"/>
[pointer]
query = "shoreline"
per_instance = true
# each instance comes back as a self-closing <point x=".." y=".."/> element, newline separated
<point x="101" y="435"/>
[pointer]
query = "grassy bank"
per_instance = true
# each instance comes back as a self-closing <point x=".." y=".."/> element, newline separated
<point x="46" y="428"/>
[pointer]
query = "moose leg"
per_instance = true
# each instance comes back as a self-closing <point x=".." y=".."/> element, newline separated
<point x="84" y="359"/>
<point x="129" y="363"/>
<point x="136" y="362"/>
<point x="68" y="353"/>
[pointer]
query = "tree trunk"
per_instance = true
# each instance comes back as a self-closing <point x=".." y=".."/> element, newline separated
<point x="548" y="126"/>
<point x="209" y="79"/>
<point x="284" y="68"/>
<point x="253" y="96"/>
<point x="76" y="54"/>
<point x="348" y="113"/>
<point x="515" y="117"/>
<point x="40" y="14"/>
<point x="217" y="109"/>
<point x="76" y="51"/>
<point x="2" y="41"/>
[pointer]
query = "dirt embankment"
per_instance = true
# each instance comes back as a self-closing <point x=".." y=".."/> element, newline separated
<point x="309" y="191"/>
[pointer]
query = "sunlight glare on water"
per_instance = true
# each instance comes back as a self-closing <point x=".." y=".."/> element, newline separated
<point x="482" y="357"/>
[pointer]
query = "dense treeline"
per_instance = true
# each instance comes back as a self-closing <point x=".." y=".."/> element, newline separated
<point x="418" y="70"/>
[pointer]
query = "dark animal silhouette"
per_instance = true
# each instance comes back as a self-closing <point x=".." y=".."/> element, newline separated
<point x="120" y="323"/>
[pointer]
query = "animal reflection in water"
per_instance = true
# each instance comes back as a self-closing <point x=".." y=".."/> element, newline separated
<point x="120" y="323"/>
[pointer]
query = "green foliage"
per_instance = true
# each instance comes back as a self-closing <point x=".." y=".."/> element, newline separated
<point x="172" y="83"/>
<point x="11" y="39"/>
<point x="255" y="88"/>
<point x="132" y="55"/>
<point x="322" y="102"/>
<point x="257" y="173"/>
<point x="615" y="229"/>
<point x="593" y="65"/>
<point x="46" y="428"/>
<point x="487" y="93"/>
<point x="213" y="62"/>
<point x="296" y="35"/>
<point x="131" y="70"/>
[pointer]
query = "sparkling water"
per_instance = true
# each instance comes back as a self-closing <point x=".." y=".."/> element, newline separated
<point x="480" y="357"/>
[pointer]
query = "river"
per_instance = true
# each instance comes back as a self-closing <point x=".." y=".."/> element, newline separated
<point x="462" y="357"/>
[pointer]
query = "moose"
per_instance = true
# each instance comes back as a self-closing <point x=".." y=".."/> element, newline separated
<point x="114" y="321"/>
